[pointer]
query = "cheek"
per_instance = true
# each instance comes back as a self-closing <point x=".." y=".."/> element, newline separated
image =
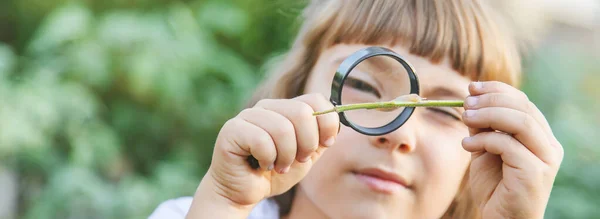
<point x="445" y="157"/>
<point x="446" y="148"/>
<point x="445" y="163"/>
<point x="444" y="153"/>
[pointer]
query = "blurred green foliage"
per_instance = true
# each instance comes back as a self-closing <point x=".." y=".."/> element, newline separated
<point x="563" y="80"/>
<point x="111" y="107"/>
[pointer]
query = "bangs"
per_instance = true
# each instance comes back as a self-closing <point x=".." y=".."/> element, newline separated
<point x="461" y="31"/>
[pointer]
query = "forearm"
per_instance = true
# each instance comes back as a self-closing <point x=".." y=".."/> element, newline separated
<point x="209" y="204"/>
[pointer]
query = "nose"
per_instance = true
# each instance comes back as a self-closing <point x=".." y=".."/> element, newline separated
<point x="402" y="139"/>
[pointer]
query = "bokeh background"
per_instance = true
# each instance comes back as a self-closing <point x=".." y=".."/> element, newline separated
<point x="108" y="108"/>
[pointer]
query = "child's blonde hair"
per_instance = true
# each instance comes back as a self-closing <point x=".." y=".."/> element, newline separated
<point x="466" y="33"/>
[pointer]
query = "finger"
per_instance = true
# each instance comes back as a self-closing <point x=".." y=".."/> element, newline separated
<point x="496" y="100"/>
<point x="496" y="94"/>
<point x="512" y="152"/>
<point x="483" y="87"/>
<point x="524" y="104"/>
<point x="474" y="131"/>
<point x="305" y="124"/>
<point x="539" y="116"/>
<point x="281" y="131"/>
<point x="329" y="124"/>
<point x="525" y="129"/>
<point x="251" y="140"/>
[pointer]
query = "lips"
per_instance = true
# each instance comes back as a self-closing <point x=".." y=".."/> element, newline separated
<point x="381" y="180"/>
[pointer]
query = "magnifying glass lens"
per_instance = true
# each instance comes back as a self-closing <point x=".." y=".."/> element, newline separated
<point x="375" y="79"/>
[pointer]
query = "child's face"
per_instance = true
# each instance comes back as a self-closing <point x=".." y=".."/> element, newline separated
<point x="426" y="151"/>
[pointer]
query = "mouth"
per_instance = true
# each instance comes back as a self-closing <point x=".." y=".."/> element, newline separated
<point x="381" y="181"/>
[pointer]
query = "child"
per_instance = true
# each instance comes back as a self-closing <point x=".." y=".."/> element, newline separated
<point x="496" y="158"/>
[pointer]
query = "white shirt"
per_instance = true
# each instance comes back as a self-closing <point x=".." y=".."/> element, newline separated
<point x="178" y="208"/>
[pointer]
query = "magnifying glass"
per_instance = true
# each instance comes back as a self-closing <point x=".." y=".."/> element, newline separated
<point x="358" y="97"/>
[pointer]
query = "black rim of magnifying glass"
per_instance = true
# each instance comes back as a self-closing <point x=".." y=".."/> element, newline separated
<point x="344" y="70"/>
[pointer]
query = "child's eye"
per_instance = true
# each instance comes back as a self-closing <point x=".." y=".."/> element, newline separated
<point x="447" y="113"/>
<point x="362" y="86"/>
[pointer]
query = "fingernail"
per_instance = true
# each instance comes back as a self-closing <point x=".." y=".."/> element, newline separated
<point x="477" y="85"/>
<point x="467" y="140"/>
<point x="471" y="101"/>
<point x="469" y="113"/>
<point x="271" y="167"/>
<point x="284" y="170"/>
<point x="330" y="141"/>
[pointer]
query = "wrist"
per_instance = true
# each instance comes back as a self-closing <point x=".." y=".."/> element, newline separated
<point x="209" y="203"/>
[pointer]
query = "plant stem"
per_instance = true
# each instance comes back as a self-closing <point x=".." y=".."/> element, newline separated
<point x="393" y="104"/>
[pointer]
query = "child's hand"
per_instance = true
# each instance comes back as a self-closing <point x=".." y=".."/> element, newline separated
<point x="515" y="156"/>
<point x="283" y="136"/>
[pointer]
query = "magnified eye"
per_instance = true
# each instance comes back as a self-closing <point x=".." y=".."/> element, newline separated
<point x="362" y="86"/>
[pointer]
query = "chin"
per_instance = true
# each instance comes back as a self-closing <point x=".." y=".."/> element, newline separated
<point x="357" y="199"/>
<point x="350" y="196"/>
<point x="361" y="211"/>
